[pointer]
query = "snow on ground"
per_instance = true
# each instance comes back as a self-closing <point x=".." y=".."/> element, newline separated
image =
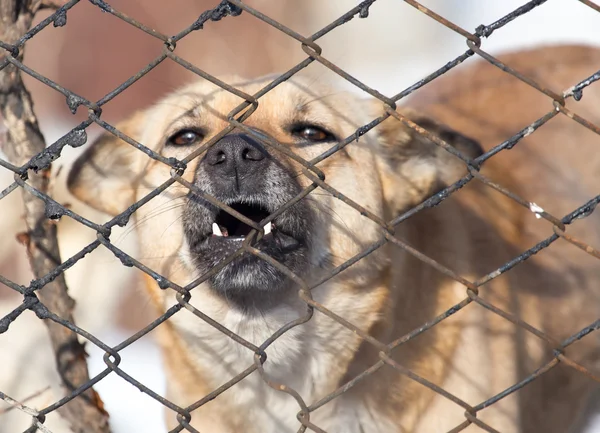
<point x="131" y="410"/>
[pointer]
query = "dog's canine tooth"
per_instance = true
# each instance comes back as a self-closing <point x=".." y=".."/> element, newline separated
<point x="216" y="230"/>
<point x="267" y="228"/>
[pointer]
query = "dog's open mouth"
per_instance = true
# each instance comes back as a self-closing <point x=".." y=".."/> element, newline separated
<point x="245" y="279"/>
<point x="227" y="225"/>
<point x="228" y="228"/>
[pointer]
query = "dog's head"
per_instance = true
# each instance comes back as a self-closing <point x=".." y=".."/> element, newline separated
<point x="185" y="234"/>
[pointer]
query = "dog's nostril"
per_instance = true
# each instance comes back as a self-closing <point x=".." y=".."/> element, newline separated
<point x="234" y="156"/>
<point x="219" y="158"/>
<point x="252" y="154"/>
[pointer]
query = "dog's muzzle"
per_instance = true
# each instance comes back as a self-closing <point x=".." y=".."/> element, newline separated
<point x="241" y="173"/>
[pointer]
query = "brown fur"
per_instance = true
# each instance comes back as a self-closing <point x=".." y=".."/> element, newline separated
<point x="473" y="354"/>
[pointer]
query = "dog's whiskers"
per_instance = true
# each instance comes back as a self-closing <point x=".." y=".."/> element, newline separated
<point x="159" y="210"/>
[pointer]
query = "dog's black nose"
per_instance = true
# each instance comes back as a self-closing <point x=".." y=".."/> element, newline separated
<point x="236" y="157"/>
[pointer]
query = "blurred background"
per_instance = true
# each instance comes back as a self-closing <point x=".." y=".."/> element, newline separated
<point x="95" y="52"/>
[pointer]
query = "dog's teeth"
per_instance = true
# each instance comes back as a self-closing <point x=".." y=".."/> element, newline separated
<point x="216" y="230"/>
<point x="267" y="228"/>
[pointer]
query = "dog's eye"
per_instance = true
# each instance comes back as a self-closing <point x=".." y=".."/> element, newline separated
<point x="185" y="137"/>
<point x="312" y="133"/>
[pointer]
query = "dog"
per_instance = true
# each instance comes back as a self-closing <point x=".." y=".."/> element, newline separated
<point x="473" y="354"/>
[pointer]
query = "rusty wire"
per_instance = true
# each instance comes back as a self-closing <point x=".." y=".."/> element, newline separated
<point x="231" y="8"/>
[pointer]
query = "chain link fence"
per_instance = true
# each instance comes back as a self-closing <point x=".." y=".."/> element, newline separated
<point x="30" y="160"/>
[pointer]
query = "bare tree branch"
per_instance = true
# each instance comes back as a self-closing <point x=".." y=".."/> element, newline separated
<point x="24" y="140"/>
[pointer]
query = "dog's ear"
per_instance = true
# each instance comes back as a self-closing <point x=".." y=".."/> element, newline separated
<point x="413" y="167"/>
<point x="105" y="176"/>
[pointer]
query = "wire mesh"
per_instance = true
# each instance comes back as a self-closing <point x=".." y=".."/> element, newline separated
<point x="310" y="45"/>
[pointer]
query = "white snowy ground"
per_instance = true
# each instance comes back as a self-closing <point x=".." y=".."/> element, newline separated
<point x="131" y="410"/>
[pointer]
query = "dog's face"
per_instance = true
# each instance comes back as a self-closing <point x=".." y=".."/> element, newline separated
<point x="241" y="173"/>
<point x="184" y="234"/>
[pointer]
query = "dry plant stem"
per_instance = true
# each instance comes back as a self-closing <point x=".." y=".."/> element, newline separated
<point x="25" y="400"/>
<point x="22" y="141"/>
